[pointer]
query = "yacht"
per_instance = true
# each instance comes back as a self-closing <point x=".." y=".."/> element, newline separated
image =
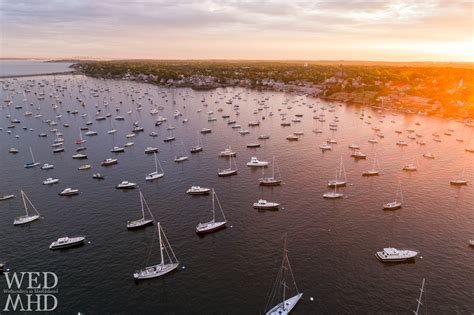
<point x="33" y="163"/>
<point x="13" y="151"/>
<point x="155" y="175"/>
<point x="108" y="162"/>
<point x="50" y="181"/>
<point x="254" y="162"/>
<point x="292" y="138"/>
<point x="47" y="166"/>
<point x="402" y="143"/>
<point x="66" y="242"/>
<point x="205" y="130"/>
<point x="180" y="158"/>
<point x="228" y="171"/>
<point x="262" y="204"/>
<point x="69" y="192"/>
<point x="392" y="205"/>
<point x="354" y="146"/>
<point x="391" y="254"/>
<point x="197" y="190"/>
<point x="253" y="145"/>
<point x="126" y="185"/>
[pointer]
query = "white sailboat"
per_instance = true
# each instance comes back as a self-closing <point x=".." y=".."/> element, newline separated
<point x="333" y="194"/>
<point x="80" y="140"/>
<point x="181" y="157"/>
<point x="270" y="181"/>
<point x="373" y="171"/>
<point x="27" y="218"/>
<point x="341" y="178"/>
<point x="286" y="304"/>
<point x="396" y="204"/>
<point x="229" y="171"/>
<point x="460" y="181"/>
<point x="155" y="175"/>
<point x="198" y="147"/>
<point x="33" y="163"/>
<point x="161" y="268"/>
<point x="142" y="222"/>
<point x="212" y="225"/>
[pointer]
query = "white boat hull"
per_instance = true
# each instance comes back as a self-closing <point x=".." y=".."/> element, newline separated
<point x="154" y="271"/>
<point x="286" y="306"/>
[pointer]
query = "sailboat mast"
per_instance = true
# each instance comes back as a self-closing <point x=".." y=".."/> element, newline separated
<point x="24" y="202"/>
<point x="213" y="208"/>
<point x="141" y="202"/>
<point x="273" y="168"/>
<point x="32" y="157"/>
<point x="161" y="244"/>
<point x="419" y="299"/>
<point x="156" y="166"/>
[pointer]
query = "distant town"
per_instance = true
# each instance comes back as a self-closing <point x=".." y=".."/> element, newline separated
<point x="444" y="90"/>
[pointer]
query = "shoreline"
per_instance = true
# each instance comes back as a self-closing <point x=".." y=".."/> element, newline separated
<point x="35" y="75"/>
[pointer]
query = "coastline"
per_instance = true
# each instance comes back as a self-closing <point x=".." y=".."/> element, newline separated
<point x="36" y="75"/>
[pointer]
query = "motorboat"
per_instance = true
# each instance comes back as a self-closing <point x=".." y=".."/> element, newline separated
<point x="429" y="155"/>
<point x="50" y="181"/>
<point x="254" y="162"/>
<point x="84" y="167"/>
<point x="47" y="166"/>
<point x="98" y="176"/>
<point x="117" y="150"/>
<point x="458" y="182"/>
<point x="292" y="137"/>
<point x="391" y="254"/>
<point x="180" y="158"/>
<point x="6" y="197"/>
<point x="325" y="147"/>
<point x="69" y="192"/>
<point x="151" y="150"/>
<point x="392" y="205"/>
<point x="197" y="190"/>
<point x="126" y="185"/>
<point x="263" y="204"/>
<point x="227" y="153"/>
<point x="79" y="156"/>
<point x="108" y="162"/>
<point x="357" y="154"/>
<point x="410" y="167"/>
<point x="13" y="151"/>
<point x="205" y="130"/>
<point x="67" y="242"/>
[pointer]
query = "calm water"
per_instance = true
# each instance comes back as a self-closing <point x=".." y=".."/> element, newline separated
<point x="331" y="242"/>
<point x="26" y="67"/>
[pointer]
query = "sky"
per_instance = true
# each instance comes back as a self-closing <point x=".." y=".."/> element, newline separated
<point x="389" y="30"/>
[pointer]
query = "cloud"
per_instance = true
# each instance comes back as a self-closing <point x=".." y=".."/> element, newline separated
<point x="108" y="27"/>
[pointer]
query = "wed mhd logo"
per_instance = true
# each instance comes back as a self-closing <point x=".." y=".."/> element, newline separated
<point x="30" y="291"/>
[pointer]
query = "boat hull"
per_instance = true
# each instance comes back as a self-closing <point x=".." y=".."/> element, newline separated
<point x="213" y="228"/>
<point x="25" y="220"/>
<point x="65" y="246"/>
<point x="286" y="306"/>
<point x="154" y="271"/>
<point x="139" y="224"/>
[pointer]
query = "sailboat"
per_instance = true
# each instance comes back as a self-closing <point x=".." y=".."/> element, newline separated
<point x="197" y="148"/>
<point x="80" y="140"/>
<point x="459" y="181"/>
<point x="182" y="157"/>
<point x="373" y="171"/>
<point x="333" y="194"/>
<point x="286" y="304"/>
<point x="155" y="175"/>
<point x="229" y="171"/>
<point x="270" y="181"/>
<point x="341" y="178"/>
<point x="212" y="225"/>
<point x="33" y="163"/>
<point x="142" y="222"/>
<point x="395" y="204"/>
<point x="162" y="268"/>
<point x="27" y="218"/>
